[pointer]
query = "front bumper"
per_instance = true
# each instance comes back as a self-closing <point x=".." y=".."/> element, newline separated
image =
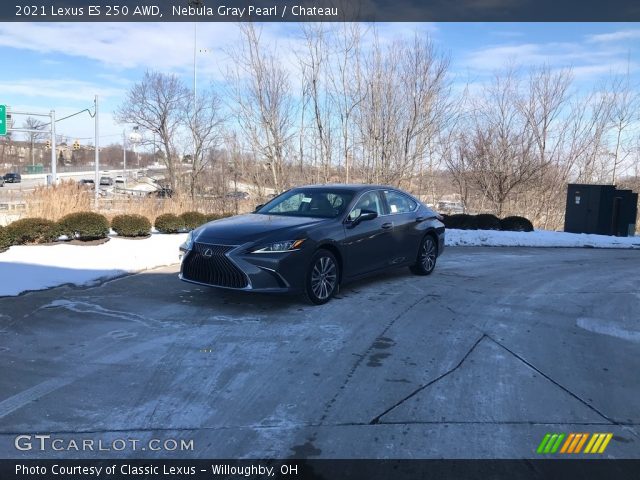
<point x="232" y="267"/>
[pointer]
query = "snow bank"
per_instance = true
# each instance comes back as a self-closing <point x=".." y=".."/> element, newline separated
<point x="537" y="238"/>
<point x="35" y="267"/>
<point x="24" y="268"/>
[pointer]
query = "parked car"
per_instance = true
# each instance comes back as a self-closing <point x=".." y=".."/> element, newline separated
<point x="87" y="181"/>
<point x="106" y="181"/>
<point x="164" y="192"/>
<point x="120" y="179"/>
<point x="238" y="195"/>
<point x="449" y="207"/>
<point x="12" y="178"/>
<point x="313" y="239"/>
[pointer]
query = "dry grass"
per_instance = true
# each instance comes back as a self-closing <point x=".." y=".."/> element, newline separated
<point x="67" y="197"/>
<point x="57" y="201"/>
<point x="151" y="207"/>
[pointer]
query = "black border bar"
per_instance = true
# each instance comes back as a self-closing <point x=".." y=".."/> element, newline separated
<point x="321" y="469"/>
<point x="320" y="10"/>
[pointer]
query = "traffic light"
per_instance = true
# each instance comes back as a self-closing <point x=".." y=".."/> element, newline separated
<point x="48" y="145"/>
<point x="76" y="145"/>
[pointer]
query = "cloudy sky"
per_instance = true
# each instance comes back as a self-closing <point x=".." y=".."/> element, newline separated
<point x="62" y="66"/>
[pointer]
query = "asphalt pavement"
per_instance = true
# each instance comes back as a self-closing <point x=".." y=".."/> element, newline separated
<point x="479" y="360"/>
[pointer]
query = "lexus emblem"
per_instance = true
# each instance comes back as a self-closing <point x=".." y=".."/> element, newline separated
<point x="208" y="253"/>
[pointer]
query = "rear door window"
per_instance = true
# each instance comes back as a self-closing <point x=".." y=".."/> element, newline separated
<point x="399" y="202"/>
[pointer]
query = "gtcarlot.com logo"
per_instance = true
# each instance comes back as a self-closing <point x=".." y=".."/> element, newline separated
<point x="573" y="443"/>
<point x="49" y="442"/>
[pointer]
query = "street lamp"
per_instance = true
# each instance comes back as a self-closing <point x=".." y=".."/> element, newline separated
<point x="195" y="3"/>
<point x="135" y="138"/>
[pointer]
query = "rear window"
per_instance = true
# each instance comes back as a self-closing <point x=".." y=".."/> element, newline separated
<point x="399" y="202"/>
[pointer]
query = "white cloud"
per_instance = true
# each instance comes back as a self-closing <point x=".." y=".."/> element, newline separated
<point x="615" y="36"/>
<point x="70" y="90"/>
<point x="158" y="46"/>
<point x="583" y="59"/>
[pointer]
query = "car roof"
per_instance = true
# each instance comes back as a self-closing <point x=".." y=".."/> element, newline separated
<point x="357" y="187"/>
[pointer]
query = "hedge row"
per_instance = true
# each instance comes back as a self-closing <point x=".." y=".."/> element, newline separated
<point x="486" y="221"/>
<point x="88" y="226"/>
<point x="170" y="223"/>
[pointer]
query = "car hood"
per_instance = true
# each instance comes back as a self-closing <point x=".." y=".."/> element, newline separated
<point x="254" y="227"/>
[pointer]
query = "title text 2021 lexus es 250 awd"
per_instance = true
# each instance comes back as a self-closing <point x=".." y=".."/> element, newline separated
<point x="312" y="239"/>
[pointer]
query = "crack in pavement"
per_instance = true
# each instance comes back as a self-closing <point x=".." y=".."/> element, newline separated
<point x="303" y="425"/>
<point x="556" y="383"/>
<point x="609" y="421"/>
<point x="366" y="353"/>
<point x="376" y="420"/>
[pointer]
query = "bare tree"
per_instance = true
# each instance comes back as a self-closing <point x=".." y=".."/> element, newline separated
<point x="34" y="136"/>
<point x="263" y="103"/>
<point x="625" y="105"/>
<point x="544" y="107"/>
<point x="344" y="81"/>
<point x="499" y="147"/>
<point x="204" y="122"/>
<point x="314" y="62"/>
<point x="404" y="108"/>
<point x="156" y="104"/>
<point x="590" y="119"/>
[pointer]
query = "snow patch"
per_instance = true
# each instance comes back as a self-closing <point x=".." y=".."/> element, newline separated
<point x="537" y="238"/>
<point x="36" y="267"/>
<point x="85" y="307"/>
<point x="597" y="325"/>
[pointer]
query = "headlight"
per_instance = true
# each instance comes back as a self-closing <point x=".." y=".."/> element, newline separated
<point x="284" y="246"/>
<point x="188" y="243"/>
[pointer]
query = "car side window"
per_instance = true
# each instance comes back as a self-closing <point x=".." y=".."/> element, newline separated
<point x="292" y="204"/>
<point x="370" y="201"/>
<point x="399" y="203"/>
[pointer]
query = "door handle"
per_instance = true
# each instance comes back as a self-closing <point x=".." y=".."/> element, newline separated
<point x="420" y="219"/>
<point x="387" y="225"/>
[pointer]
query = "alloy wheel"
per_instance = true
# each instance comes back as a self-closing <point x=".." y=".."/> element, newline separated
<point x="323" y="277"/>
<point x="428" y="254"/>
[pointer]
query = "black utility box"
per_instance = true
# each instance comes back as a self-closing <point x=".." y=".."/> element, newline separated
<point x="600" y="209"/>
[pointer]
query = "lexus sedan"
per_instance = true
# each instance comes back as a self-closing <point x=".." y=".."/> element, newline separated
<point x="313" y="239"/>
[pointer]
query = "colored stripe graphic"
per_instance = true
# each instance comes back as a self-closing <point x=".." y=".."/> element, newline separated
<point x="605" y="443"/>
<point x="576" y="439"/>
<point x="591" y="442"/>
<point x="568" y="442"/>
<point x="572" y="443"/>
<point x="599" y="443"/>
<point x="582" y="440"/>
<point x="555" y="447"/>
<point x="543" y="443"/>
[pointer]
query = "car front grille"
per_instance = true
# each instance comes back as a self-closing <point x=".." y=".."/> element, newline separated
<point x="209" y="264"/>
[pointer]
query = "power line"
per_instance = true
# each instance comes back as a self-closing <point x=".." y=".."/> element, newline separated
<point x="92" y="115"/>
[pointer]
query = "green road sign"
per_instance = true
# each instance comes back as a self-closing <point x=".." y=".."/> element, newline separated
<point x="3" y="119"/>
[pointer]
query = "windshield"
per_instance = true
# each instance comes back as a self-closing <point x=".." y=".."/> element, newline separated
<point x="312" y="202"/>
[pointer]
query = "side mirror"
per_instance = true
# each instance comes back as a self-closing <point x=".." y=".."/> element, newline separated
<point x="367" y="215"/>
<point x="258" y="207"/>
<point x="364" y="215"/>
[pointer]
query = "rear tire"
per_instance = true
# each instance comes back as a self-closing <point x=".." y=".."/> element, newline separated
<point x="427" y="256"/>
<point x="321" y="280"/>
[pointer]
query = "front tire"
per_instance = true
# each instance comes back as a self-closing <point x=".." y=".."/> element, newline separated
<point x="321" y="281"/>
<point x="427" y="256"/>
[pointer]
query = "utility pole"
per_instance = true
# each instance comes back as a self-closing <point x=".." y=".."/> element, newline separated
<point x="96" y="184"/>
<point x="54" y="158"/>
<point x="124" y="153"/>
<point x="195" y="3"/>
